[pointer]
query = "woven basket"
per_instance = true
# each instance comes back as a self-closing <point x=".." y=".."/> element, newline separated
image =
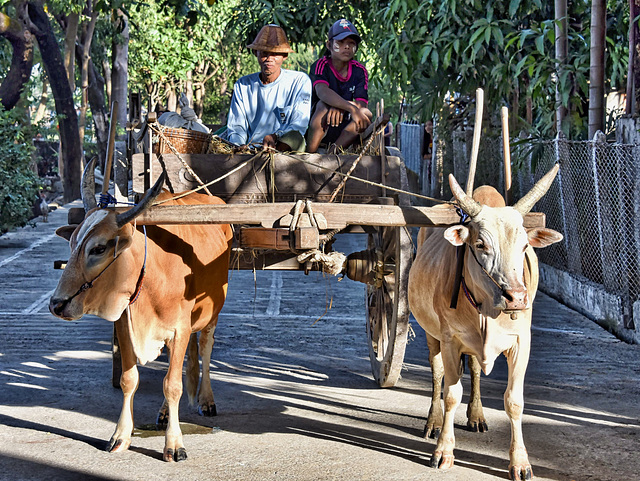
<point x="183" y="140"/>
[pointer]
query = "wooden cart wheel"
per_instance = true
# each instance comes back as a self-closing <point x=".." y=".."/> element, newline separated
<point x="387" y="305"/>
<point x="386" y="301"/>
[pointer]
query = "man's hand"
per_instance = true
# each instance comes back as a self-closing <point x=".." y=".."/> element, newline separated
<point x="334" y="117"/>
<point x="269" y="142"/>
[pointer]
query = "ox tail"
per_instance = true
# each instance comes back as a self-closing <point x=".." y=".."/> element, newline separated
<point x="193" y="369"/>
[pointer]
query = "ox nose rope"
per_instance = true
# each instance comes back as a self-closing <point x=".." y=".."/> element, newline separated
<point x="88" y="285"/>
<point x="458" y="280"/>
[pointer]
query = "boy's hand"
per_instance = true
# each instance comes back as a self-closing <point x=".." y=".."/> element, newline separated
<point x="361" y="119"/>
<point x="334" y="117"/>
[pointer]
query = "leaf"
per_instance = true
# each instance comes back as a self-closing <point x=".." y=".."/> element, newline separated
<point x="447" y="58"/>
<point x="497" y="34"/>
<point x="513" y="7"/>
<point x="519" y="65"/>
<point x="435" y="58"/>
<point x="426" y="51"/>
<point x="476" y="35"/>
<point x="540" y="44"/>
<point x="523" y="36"/>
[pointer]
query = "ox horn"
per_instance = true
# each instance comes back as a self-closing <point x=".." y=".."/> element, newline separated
<point x="88" y="186"/>
<point x="466" y="202"/>
<point x="527" y="202"/>
<point x="144" y="204"/>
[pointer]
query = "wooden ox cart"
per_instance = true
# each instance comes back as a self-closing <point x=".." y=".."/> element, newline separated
<point x="287" y="210"/>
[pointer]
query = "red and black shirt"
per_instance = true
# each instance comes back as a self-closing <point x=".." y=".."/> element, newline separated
<point x="353" y="87"/>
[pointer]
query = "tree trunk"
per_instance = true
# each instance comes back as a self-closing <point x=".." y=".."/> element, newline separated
<point x="198" y="100"/>
<point x="98" y="110"/>
<point x="189" y="87"/>
<point x="562" y="47"/>
<point x="21" y="61"/>
<point x="44" y="98"/>
<point x="71" y="34"/>
<point x="152" y="93"/>
<point x="119" y="77"/>
<point x="170" y="95"/>
<point x="106" y="67"/>
<point x="69" y="164"/>
<point x="596" y="72"/>
<point x="84" y="52"/>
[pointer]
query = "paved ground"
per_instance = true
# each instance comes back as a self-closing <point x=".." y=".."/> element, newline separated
<point x="295" y="395"/>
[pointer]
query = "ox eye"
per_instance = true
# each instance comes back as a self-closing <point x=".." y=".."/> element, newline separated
<point x="97" y="250"/>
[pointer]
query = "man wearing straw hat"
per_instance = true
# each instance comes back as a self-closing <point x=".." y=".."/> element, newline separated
<point x="271" y="107"/>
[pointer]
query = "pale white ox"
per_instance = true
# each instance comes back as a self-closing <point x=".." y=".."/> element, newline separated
<point x="159" y="290"/>
<point x="500" y="274"/>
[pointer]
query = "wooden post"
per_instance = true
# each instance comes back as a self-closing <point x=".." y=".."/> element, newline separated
<point x="148" y="162"/>
<point x="383" y="157"/>
<point x="113" y="124"/>
<point x="476" y="140"/>
<point x="507" y="155"/>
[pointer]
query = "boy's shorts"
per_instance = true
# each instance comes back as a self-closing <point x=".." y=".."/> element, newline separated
<point x="295" y="140"/>
<point x="334" y="132"/>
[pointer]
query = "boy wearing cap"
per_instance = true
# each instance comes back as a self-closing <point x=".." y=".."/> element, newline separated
<point x="271" y="107"/>
<point x="340" y="91"/>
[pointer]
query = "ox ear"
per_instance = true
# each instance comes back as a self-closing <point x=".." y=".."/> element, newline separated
<point x="66" y="231"/>
<point x="123" y="242"/>
<point x="543" y="237"/>
<point x="457" y="234"/>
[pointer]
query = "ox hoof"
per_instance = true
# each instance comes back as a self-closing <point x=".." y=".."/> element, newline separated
<point x="208" y="410"/>
<point x="441" y="461"/>
<point x="430" y="431"/>
<point x="118" y="445"/>
<point x="179" y="455"/>
<point x="520" y="473"/>
<point x="478" y="426"/>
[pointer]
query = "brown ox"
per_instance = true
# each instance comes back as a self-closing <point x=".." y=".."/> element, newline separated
<point x="183" y="288"/>
<point x="500" y="276"/>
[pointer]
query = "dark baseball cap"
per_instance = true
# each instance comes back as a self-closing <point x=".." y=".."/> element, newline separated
<point x="343" y="28"/>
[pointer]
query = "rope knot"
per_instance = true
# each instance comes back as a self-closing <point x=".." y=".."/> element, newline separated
<point x="106" y="199"/>
<point x="464" y="217"/>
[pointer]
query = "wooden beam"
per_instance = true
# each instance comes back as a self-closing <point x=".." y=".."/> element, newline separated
<point x="373" y="126"/>
<point x="338" y="215"/>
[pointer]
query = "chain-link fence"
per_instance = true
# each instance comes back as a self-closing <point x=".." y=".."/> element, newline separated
<point x="594" y="203"/>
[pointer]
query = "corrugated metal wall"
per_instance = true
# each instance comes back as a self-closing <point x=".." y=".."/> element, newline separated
<point x="411" y="136"/>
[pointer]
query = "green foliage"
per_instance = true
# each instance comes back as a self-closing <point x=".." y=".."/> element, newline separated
<point x="18" y="182"/>
<point x="165" y="49"/>
<point x="431" y="49"/>
<point x="305" y="21"/>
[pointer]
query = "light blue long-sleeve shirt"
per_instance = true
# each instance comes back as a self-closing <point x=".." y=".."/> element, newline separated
<point x="258" y="109"/>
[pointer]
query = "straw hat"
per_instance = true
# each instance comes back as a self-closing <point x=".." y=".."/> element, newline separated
<point x="271" y="38"/>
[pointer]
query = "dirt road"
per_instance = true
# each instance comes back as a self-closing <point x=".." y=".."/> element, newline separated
<point x="294" y="390"/>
